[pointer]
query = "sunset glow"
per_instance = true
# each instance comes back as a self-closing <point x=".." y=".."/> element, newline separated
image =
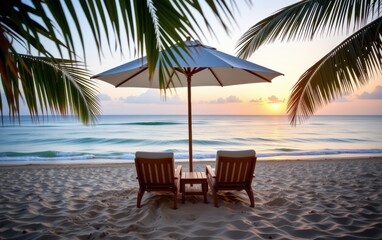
<point x="275" y="106"/>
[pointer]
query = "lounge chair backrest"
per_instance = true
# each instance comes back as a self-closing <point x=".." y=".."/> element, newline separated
<point x="235" y="167"/>
<point x="155" y="168"/>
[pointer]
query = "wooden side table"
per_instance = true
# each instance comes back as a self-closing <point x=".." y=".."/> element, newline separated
<point x="194" y="183"/>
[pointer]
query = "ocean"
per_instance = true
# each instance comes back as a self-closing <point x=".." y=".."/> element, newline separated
<point x="117" y="138"/>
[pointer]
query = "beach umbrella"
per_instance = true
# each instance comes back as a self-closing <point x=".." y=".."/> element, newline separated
<point x="197" y="65"/>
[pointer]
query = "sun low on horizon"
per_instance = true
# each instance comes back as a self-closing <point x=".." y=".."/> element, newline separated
<point x="275" y="106"/>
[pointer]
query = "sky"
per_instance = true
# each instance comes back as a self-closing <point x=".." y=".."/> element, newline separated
<point x="289" y="58"/>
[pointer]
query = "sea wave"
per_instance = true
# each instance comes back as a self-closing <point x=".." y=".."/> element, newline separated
<point x="179" y="155"/>
<point x="95" y="140"/>
<point x="138" y="141"/>
<point x="328" y="140"/>
<point x="56" y="155"/>
<point x="322" y="152"/>
<point x="153" y="123"/>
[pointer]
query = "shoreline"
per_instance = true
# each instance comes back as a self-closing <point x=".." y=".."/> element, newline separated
<point x="113" y="162"/>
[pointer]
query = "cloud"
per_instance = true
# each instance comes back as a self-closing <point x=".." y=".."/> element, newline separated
<point x="259" y="100"/>
<point x="274" y="99"/>
<point x="104" y="97"/>
<point x="376" y="94"/>
<point x="230" y="99"/>
<point x="151" y="96"/>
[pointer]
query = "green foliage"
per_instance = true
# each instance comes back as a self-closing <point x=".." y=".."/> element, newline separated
<point x="32" y="72"/>
<point x="350" y="64"/>
<point x="46" y="84"/>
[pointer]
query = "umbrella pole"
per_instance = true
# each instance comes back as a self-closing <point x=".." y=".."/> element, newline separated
<point x="189" y="122"/>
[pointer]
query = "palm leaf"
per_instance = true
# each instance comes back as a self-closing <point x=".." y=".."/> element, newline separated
<point x="351" y="64"/>
<point x="147" y="26"/>
<point x="52" y="86"/>
<point x="347" y="66"/>
<point x="306" y="19"/>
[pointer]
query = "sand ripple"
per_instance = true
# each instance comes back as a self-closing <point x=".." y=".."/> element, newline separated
<point x="294" y="200"/>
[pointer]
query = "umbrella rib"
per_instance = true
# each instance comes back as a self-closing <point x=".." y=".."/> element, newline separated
<point x="196" y="70"/>
<point x="258" y="75"/>
<point x="124" y="81"/>
<point x="216" y="77"/>
<point x="181" y="70"/>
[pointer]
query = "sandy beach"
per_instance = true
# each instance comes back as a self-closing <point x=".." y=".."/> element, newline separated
<point x="306" y="199"/>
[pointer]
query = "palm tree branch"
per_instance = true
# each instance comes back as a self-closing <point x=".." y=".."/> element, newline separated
<point x="350" y="64"/>
<point x="59" y="86"/>
<point x="76" y="21"/>
<point x="28" y="37"/>
<point x="305" y="20"/>
<point x="51" y="31"/>
<point x="31" y="24"/>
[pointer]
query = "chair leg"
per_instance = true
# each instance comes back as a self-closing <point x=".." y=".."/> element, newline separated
<point x="214" y="192"/>
<point x="139" y="198"/>
<point x="175" y="200"/>
<point x="215" y="198"/>
<point x="250" y="195"/>
<point x="205" y="190"/>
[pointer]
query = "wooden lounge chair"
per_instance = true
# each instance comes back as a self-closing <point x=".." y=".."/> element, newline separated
<point x="234" y="171"/>
<point x="156" y="173"/>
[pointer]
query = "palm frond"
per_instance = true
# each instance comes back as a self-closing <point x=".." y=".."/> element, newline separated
<point x="306" y="19"/>
<point x="147" y="26"/>
<point x="51" y="86"/>
<point x="136" y="21"/>
<point x="351" y="64"/>
<point x="18" y="22"/>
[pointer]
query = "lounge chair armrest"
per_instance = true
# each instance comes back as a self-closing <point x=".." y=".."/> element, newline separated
<point x="210" y="171"/>
<point x="178" y="171"/>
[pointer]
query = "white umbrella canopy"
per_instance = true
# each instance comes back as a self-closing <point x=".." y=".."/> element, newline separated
<point x="208" y="66"/>
<point x="201" y="65"/>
